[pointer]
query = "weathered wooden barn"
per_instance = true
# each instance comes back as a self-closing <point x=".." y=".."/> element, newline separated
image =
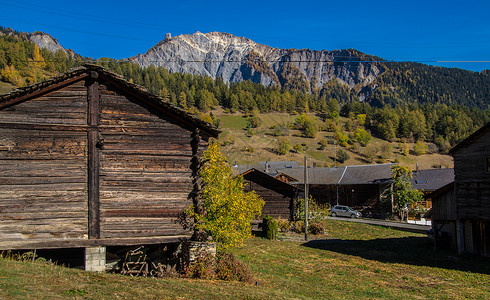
<point x="88" y="159"/>
<point x="472" y="192"/>
<point x="279" y="196"/>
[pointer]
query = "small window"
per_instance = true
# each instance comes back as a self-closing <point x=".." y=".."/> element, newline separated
<point x="421" y="181"/>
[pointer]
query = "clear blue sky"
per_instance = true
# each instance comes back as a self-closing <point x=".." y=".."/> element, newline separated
<point x="426" y="31"/>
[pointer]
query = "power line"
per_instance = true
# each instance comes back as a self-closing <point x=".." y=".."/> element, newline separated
<point x="268" y="61"/>
<point x="77" y="30"/>
<point x="75" y="15"/>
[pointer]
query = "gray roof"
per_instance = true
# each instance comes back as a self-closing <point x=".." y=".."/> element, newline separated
<point x="269" y="167"/>
<point x="431" y="179"/>
<point x="315" y="175"/>
<point x="367" y="174"/>
<point x="363" y="174"/>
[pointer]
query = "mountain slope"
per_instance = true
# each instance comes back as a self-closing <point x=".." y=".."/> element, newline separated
<point x="368" y="78"/>
<point x="345" y="75"/>
<point x="236" y="59"/>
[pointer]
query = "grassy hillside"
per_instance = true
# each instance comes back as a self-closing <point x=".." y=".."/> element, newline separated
<point x="243" y="148"/>
<point x="351" y="261"/>
<point x="6" y="87"/>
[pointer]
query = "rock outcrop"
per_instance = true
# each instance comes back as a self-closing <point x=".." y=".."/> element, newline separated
<point x="45" y="41"/>
<point x="237" y="58"/>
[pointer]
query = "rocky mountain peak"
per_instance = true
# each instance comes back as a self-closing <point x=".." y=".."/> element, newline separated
<point x="237" y="58"/>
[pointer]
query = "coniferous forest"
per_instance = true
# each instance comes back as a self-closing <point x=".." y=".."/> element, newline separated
<point x="409" y="101"/>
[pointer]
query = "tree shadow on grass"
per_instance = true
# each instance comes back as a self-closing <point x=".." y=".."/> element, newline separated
<point x="411" y="250"/>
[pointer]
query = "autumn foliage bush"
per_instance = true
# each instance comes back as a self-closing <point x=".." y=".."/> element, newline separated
<point x="203" y="267"/>
<point x="227" y="209"/>
<point x="283" y="224"/>
<point x="317" y="227"/>
<point x="223" y="266"/>
<point x="229" y="268"/>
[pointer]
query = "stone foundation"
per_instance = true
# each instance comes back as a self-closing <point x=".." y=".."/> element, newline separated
<point x="194" y="249"/>
<point x="95" y="258"/>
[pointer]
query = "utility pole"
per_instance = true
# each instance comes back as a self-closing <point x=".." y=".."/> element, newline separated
<point x="306" y="200"/>
<point x="335" y="152"/>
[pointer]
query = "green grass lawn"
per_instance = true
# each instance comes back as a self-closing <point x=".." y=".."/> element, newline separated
<point x="350" y="261"/>
<point x="235" y="121"/>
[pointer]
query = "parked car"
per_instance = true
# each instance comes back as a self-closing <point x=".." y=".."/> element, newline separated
<point x="345" y="211"/>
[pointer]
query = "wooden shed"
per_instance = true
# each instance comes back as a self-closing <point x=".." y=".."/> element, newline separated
<point x="89" y="159"/>
<point x="279" y="196"/>
<point x="472" y="192"/>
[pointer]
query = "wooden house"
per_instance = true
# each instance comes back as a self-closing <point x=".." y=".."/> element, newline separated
<point x="279" y="196"/>
<point x="430" y="180"/>
<point x="365" y="187"/>
<point x="472" y="192"/>
<point x="88" y="159"/>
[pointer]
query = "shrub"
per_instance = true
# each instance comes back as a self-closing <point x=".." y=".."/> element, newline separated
<point x="419" y="148"/>
<point x="316" y="227"/>
<point x="248" y="149"/>
<point x="404" y="148"/>
<point x="226" y="210"/>
<point x="229" y="268"/>
<point x="306" y="124"/>
<point x="280" y="130"/>
<point x="283" y="224"/>
<point x="315" y="211"/>
<point x="298" y="226"/>
<point x="323" y="144"/>
<point x="386" y="150"/>
<point x="310" y="131"/>
<point x="224" y="266"/>
<point x="203" y="267"/>
<point x="361" y="119"/>
<point x="283" y="147"/>
<point x="298" y="148"/>
<point x="341" y="138"/>
<point x="253" y="122"/>
<point x="442" y="144"/>
<point x="362" y="137"/>
<point x="269" y="228"/>
<point x="342" y="156"/>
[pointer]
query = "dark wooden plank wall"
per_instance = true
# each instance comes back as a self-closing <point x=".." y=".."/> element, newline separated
<point x="276" y="204"/>
<point x="43" y="167"/>
<point x="472" y="181"/>
<point x="145" y="176"/>
<point x="444" y="207"/>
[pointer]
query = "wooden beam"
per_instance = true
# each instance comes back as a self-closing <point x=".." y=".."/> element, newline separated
<point x="49" y="127"/>
<point x="81" y="243"/>
<point x="93" y="159"/>
<point x="145" y="213"/>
